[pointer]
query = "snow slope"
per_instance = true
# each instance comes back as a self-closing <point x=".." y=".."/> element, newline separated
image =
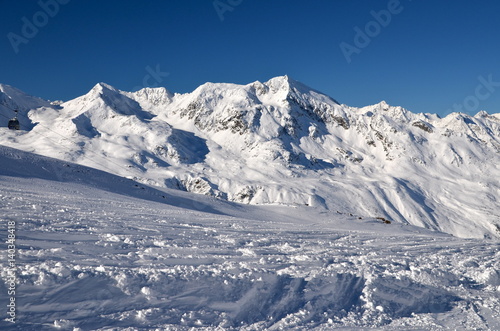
<point x="12" y="99"/>
<point x="281" y="142"/>
<point x="100" y="252"/>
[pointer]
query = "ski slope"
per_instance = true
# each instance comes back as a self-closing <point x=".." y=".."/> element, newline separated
<point x="97" y="251"/>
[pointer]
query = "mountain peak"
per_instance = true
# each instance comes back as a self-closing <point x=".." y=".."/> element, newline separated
<point x="482" y="113"/>
<point x="155" y="96"/>
<point x="15" y="98"/>
<point x="4" y="87"/>
<point x="11" y="91"/>
<point x="383" y="105"/>
<point x="105" y="101"/>
<point x="101" y="90"/>
<point x="280" y="83"/>
<point x="100" y="87"/>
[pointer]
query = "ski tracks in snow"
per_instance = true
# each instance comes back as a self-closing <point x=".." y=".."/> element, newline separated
<point x="92" y="259"/>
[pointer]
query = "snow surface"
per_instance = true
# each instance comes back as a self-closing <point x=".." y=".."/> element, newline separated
<point x="279" y="142"/>
<point x="100" y="252"/>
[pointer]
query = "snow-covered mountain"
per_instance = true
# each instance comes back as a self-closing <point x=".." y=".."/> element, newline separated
<point x="279" y="142"/>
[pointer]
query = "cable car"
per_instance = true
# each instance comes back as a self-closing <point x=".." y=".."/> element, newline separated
<point x="14" y="123"/>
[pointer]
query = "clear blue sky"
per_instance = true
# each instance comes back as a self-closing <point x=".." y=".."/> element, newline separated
<point x="427" y="58"/>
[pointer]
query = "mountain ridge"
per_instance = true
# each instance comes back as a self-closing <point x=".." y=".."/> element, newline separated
<point x="281" y="142"/>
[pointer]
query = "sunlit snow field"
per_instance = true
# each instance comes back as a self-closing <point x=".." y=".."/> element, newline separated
<point x="99" y="252"/>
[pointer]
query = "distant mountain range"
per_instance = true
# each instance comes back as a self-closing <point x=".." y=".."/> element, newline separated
<point x="278" y="142"/>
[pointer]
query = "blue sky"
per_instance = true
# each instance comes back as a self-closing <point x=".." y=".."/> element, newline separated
<point x="426" y="56"/>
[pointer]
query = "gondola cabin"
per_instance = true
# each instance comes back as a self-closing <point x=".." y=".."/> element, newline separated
<point x="14" y="124"/>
